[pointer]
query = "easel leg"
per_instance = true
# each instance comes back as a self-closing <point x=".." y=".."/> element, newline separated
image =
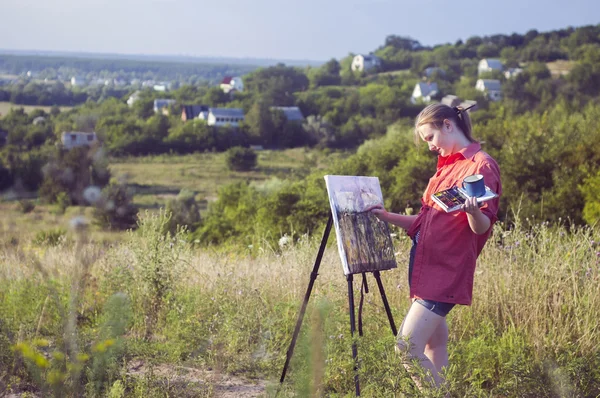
<point x="385" y="302"/>
<point x="352" y="330"/>
<point x="313" y="277"/>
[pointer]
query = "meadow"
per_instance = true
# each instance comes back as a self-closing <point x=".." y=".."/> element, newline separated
<point x="155" y="180"/>
<point x="85" y="312"/>
<point x="145" y="316"/>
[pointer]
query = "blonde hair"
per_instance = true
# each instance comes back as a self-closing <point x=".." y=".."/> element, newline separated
<point x="435" y="114"/>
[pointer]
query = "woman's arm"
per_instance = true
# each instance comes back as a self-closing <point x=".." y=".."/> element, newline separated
<point x="400" y="220"/>
<point x="478" y="221"/>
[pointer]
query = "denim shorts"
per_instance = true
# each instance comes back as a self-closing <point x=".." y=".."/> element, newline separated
<point x="437" y="307"/>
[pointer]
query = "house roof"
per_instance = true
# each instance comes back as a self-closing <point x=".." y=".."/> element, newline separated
<point x="227" y="112"/>
<point x="369" y="57"/>
<point x="493" y="63"/>
<point x="491" y="84"/>
<point x="160" y="103"/>
<point x="192" y="111"/>
<point x="450" y="100"/>
<point x="428" y="88"/>
<point x="292" y="113"/>
<point x="227" y="80"/>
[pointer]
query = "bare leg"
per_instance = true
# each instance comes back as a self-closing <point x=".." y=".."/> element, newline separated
<point x="417" y="329"/>
<point x="437" y="347"/>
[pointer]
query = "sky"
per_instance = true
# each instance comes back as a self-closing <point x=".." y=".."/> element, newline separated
<point x="277" y="29"/>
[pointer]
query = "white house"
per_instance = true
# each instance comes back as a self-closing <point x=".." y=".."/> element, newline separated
<point x="162" y="86"/>
<point x="365" y="62"/>
<point x="489" y="65"/>
<point x="424" y="91"/>
<point x="231" y="83"/>
<point x="77" y="81"/>
<point x="493" y="88"/>
<point x="133" y="98"/>
<point x="74" y="139"/>
<point x="512" y="72"/>
<point x="163" y="105"/>
<point x="223" y="116"/>
<point x="292" y="113"/>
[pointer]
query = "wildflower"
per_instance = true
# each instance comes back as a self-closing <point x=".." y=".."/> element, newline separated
<point x="517" y="243"/>
<point x="92" y="194"/>
<point x="284" y="241"/>
<point x="78" y="223"/>
<point x="399" y="286"/>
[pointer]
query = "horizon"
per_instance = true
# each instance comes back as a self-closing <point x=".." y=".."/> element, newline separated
<point x="315" y="31"/>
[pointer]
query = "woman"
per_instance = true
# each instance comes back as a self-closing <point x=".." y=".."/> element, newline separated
<point x="445" y="245"/>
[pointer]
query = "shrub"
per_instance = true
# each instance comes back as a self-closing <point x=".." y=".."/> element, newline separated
<point x="26" y="206"/>
<point x="241" y="159"/>
<point x="52" y="237"/>
<point x="183" y="212"/>
<point x="114" y="209"/>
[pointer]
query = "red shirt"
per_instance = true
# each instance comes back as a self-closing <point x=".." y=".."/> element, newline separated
<point x="447" y="248"/>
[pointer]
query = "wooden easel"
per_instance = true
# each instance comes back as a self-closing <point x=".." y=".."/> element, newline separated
<point x="349" y="278"/>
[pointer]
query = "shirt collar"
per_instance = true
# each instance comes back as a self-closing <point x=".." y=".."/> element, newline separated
<point x="467" y="152"/>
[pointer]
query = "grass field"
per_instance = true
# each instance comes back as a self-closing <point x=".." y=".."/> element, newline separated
<point x="147" y="316"/>
<point x="5" y="107"/>
<point x="156" y="179"/>
<point x="159" y="178"/>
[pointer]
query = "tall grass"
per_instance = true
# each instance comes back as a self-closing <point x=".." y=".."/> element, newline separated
<point x="531" y="331"/>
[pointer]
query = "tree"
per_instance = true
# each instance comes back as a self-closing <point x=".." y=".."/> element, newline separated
<point x="240" y="159"/>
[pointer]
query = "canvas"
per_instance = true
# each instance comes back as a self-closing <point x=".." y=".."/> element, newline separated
<point x="364" y="241"/>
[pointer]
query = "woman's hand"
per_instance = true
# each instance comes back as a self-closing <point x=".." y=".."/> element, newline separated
<point x="471" y="206"/>
<point x="378" y="210"/>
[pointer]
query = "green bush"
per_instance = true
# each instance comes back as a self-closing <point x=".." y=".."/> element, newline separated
<point x="183" y="211"/>
<point x="115" y="210"/>
<point x="26" y="206"/>
<point x="51" y="237"/>
<point x="241" y="159"/>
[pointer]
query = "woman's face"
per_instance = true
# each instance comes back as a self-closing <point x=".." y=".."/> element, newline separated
<point x="438" y="140"/>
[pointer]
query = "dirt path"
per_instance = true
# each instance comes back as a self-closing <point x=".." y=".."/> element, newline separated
<point x="192" y="381"/>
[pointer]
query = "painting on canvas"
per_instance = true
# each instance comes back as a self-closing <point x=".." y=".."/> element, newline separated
<point x="364" y="241"/>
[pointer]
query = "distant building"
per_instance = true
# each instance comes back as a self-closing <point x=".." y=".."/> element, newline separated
<point x="162" y="105"/>
<point x="428" y="72"/>
<point x="363" y="62"/>
<point x="292" y="113"/>
<point x="75" y="139"/>
<point x="469" y="104"/>
<point x="512" y="72"/>
<point x="491" y="87"/>
<point x="77" y="81"/>
<point x="39" y="120"/>
<point x="232" y="83"/>
<point x="451" y="100"/>
<point x="424" y="92"/>
<point x="162" y="86"/>
<point x="489" y="65"/>
<point x="223" y="116"/>
<point x="189" y="112"/>
<point x="133" y="98"/>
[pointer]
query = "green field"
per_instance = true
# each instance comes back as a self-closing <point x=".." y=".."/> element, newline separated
<point x="156" y="179"/>
<point x="5" y="107"/>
